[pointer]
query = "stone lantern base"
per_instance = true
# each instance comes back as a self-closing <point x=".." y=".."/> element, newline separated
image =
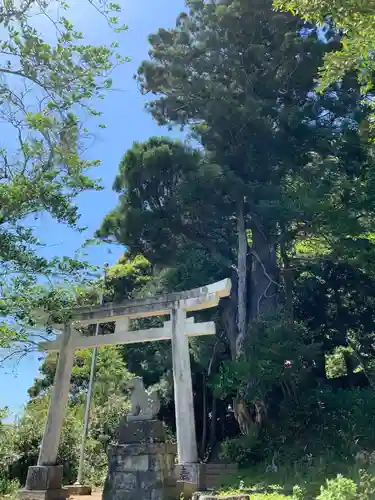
<point x="141" y="465"/>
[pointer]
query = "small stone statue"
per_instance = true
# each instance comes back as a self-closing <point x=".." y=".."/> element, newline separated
<point x="145" y="404"/>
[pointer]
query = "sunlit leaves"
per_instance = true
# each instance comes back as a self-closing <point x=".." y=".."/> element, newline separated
<point x="355" y="20"/>
<point x="46" y="89"/>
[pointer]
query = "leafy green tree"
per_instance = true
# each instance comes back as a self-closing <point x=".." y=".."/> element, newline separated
<point x="7" y="454"/>
<point x="46" y="90"/>
<point x="126" y="278"/>
<point x="160" y="202"/>
<point x="110" y="374"/>
<point x="353" y="24"/>
<point x="110" y="399"/>
<point x="123" y="280"/>
<point x="336" y="302"/>
<point x="260" y="122"/>
<point x="162" y="215"/>
<point x="27" y="435"/>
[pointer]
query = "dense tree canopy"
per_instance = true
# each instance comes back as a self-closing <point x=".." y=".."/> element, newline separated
<point x="286" y="170"/>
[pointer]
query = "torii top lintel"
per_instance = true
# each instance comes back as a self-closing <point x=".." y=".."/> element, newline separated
<point x="194" y="300"/>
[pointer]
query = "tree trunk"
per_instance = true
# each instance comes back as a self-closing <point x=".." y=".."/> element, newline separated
<point x="213" y="424"/>
<point x="263" y="304"/>
<point x="264" y="286"/>
<point x="212" y="438"/>
<point x="241" y="411"/>
<point x="204" y="417"/>
<point x="242" y="279"/>
<point x="242" y="415"/>
<point x="228" y="314"/>
<point x="288" y="278"/>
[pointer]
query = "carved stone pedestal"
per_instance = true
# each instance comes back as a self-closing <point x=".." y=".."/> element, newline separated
<point x="141" y="465"/>
<point x="199" y="477"/>
<point x="190" y="478"/>
<point x="44" y="482"/>
<point x="141" y="431"/>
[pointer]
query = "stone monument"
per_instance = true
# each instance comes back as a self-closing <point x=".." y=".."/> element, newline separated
<point x="140" y="465"/>
<point x="145" y="404"/>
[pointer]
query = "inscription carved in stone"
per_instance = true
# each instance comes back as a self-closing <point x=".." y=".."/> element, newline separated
<point x="184" y="474"/>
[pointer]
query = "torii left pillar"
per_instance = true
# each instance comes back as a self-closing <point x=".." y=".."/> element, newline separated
<point x="44" y="480"/>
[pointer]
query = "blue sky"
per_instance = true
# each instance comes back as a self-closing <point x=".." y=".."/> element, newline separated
<point x="126" y="122"/>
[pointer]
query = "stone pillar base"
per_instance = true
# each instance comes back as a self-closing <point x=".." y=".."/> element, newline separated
<point x="44" y="482"/>
<point x="61" y="494"/>
<point x="190" y="478"/>
<point x="78" y="490"/>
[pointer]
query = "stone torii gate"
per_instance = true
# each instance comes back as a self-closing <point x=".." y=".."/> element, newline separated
<point x="45" y="478"/>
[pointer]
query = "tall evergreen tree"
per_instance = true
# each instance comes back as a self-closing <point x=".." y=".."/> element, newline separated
<point x="279" y="160"/>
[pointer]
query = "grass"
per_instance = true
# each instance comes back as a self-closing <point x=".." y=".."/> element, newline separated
<point x="262" y="485"/>
<point x="264" y="496"/>
<point x="269" y="496"/>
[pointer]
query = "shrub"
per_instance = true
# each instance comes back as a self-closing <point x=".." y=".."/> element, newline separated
<point x="338" y="422"/>
<point x="340" y="488"/>
<point x="7" y="455"/>
<point x="366" y="486"/>
<point x="298" y="493"/>
<point x="270" y="346"/>
<point x="8" y="488"/>
<point x="27" y="435"/>
<point x="239" y="450"/>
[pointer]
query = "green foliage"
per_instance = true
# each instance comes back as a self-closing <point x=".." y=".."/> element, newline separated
<point x="366" y="487"/>
<point x="336" y="421"/>
<point x="110" y="374"/>
<point x="104" y="422"/>
<point x="238" y="450"/>
<point x="297" y="161"/>
<point x="312" y="482"/>
<point x="127" y="277"/>
<point x="299" y="165"/>
<point x="7" y="486"/>
<point x="9" y="489"/>
<point x="340" y="488"/>
<point x="280" y="354"/>
<point x="353" y="23"/>
<point x="21" y="441"/>
<point x="335" y="363"/>
<point x="29" y="308"/>
<point x="298" y="493"/>
<point x="335" y="300"/>
<point x="45" y="91"/>
<point x="157" y="186"/>
<point x="241" y="78"/>
<point x="27" y="437"/>
<point x="321" y="430"/>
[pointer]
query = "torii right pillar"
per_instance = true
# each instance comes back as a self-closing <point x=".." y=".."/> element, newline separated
<point x="188" y="471"/>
